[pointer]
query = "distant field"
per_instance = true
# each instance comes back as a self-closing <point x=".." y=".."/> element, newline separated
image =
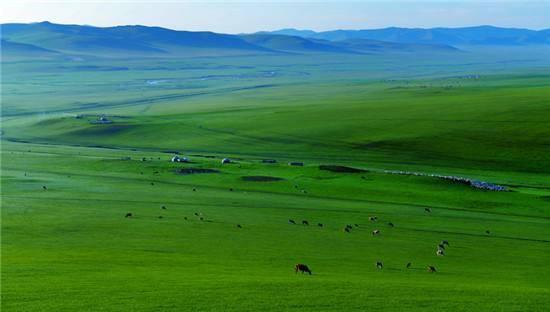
<point x="69" y="179"/>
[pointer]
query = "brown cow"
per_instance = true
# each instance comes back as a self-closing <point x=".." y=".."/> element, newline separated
<point x="302" y="268"/>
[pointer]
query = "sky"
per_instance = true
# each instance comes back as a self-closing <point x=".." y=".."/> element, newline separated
<point x="251" y="16"/>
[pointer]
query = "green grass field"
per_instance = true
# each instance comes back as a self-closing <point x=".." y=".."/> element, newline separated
<point x="69" y="247"/>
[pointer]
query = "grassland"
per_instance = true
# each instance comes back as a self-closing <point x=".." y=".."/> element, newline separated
<point x="69" y="248"/>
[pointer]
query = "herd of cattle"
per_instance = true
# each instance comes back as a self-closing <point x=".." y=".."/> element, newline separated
<point x="304" y="268"/>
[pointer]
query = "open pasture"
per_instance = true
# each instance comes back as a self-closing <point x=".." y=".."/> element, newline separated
<point x="210" y="236"/>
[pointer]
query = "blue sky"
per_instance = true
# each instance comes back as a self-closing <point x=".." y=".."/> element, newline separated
<point x="251" y="16"/>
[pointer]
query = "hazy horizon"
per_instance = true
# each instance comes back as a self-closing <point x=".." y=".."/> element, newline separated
<point x="237" y="17"/>
<point x="278" y="29"/>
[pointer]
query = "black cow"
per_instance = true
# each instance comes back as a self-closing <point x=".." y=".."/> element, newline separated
<point x="431" y="269"/>
<point x="291" y="221"/>
<point x="379" y="265"/>
<point x="409" y="265"/>
<point x="128" y="215"/>
<point x="304" y="222"/>
<point x="302" y="268"/>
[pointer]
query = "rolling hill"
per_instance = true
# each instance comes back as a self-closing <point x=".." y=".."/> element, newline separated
<point x="126" y="40"/>
<point x="479" y="35"/>
<point x="144" y="41"/>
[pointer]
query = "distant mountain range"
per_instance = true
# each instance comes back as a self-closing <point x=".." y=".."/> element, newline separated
<point x="479" y="35"/>
<point x="47" y="39"/>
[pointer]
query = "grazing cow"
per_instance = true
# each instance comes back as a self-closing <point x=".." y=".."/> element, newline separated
<point x="304" y="191"/>
<point x="152" y="183"/>
<point x="231" y="189"/>
<point x="196" y="214"/>
<point x="290" y="221"/>
<point x="349" y="226"/>
<point x="44" y="187"/>
<point x="373" y="218"/>
<point x="304" y="222"/>
<point x="128" y="215"/>
<point x="441" y="246"/>
<point x="487" y="232"/>
<point x="347" y="229"/>
<point x="379" y="265"/>
<point x="440" y="252"/>
<point x="409" y="265"/>
<point x="320" y="224"/>
<point x="160" y="217"/>
<point x="444" y="242"/>
<point x="184" y="218"/>
<point x="431" y="269"/>
<point x="201" y="218"/>
<point x="356" y="225"/>
<point x="391" y="224"/>
<point x="302" y="268"/>
<point x="194" y="189"/>
<point x="375" y="232"/>
<point x="427" y="210"/>
<point x="239" y="226"/>
<point x="163" y="207"/>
